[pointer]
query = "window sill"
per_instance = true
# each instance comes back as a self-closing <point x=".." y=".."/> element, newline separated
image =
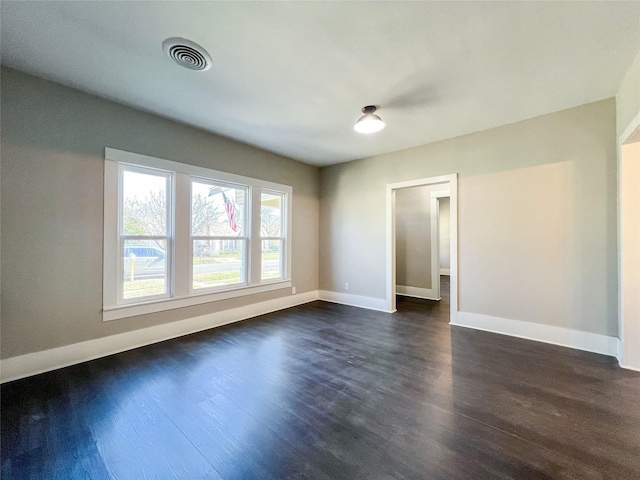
<point x="125" y="311"/>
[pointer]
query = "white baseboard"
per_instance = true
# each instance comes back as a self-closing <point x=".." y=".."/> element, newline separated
<point x="369" y="303"/>
<point x="416" y="292"/>
<point x="629" y="367"/>
<point x="39" y="362"/>
<point x="590" y="342"/>
<point x="619" y="350"/>
<point x="623" y="360"/>
<point x="445" y="271"/>
<point x="29" y="364"/>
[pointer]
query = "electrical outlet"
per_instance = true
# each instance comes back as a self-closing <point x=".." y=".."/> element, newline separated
<point x="293" y="290"/>
<point x="346" y="286"/>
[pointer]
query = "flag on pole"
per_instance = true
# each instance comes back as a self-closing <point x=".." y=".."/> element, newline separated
<point x="231" y="212"/>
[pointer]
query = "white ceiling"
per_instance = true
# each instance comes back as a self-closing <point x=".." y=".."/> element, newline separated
<point x="291" y="77"/>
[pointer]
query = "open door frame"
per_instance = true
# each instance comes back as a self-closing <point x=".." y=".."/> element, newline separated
<point x="628" y="351"/>
<point x="452" y="181"/>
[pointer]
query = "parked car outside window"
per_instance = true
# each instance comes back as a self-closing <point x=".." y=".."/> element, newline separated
<point x="149" y="262"/>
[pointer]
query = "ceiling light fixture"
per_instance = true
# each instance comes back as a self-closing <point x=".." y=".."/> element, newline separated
<point x="369" y="122"/>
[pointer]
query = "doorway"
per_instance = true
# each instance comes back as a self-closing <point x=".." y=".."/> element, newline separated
<point x="419" y="253"/>
<point x="442" y="185"/>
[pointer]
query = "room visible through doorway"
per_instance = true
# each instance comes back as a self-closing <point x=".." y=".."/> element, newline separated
<point x="416" y="238"/>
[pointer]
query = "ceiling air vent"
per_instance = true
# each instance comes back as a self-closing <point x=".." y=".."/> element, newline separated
<point x="187" y="54"/>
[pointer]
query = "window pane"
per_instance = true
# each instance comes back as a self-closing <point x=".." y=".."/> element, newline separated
<point x="271" y="259"/>
<point x="271" y="215"/>
<point x="217" y="210"/>
<point x="144" y="203"/>
<point x="218" y="263"/>
<point x="145" y="268"/>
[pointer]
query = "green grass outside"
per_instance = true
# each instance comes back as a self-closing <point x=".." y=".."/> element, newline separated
<point x="143" y="288"/>
<point x="221" y="258"/>
<point x="216" y="277"/>
<point x="268" y="276"/>
<point x="156" y="286"/>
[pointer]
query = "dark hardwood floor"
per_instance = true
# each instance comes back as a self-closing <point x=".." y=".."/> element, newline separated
<point x="325" y="391"/>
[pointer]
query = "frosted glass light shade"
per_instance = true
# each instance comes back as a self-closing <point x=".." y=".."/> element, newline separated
<point x="369" y="122"/>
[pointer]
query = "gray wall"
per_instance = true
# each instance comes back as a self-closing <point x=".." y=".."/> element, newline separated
<point x="536" y="224"/>
<point x="413" y="237"/>
<point x="628" y="97"/>
<point x="53" y="141"/>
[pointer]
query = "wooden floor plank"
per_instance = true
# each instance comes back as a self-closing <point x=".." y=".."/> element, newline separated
<point x="324" y="391"/>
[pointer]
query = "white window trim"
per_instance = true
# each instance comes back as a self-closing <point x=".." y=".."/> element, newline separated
<point x="168" y="237"/>
<point x="284" y="237"/>
<point x="246" y="237"/>
<point x="183" y="297"/>
<point x="283" y="241"/>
